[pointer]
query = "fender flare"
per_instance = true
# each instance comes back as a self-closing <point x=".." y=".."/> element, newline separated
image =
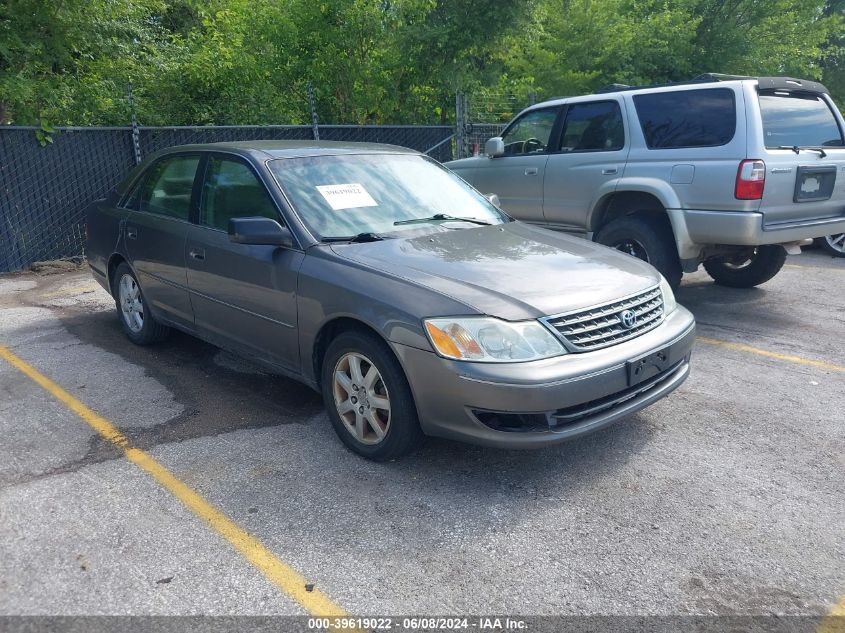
<point x="665" y="194"/>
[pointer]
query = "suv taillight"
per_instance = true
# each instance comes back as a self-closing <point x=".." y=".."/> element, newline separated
<point x="750" y="180"/>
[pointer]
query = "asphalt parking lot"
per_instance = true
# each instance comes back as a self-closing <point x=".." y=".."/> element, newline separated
<point x="726" y="498"/>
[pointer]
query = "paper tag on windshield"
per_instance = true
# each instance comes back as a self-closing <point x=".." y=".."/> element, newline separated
<point x="346" y="196"/>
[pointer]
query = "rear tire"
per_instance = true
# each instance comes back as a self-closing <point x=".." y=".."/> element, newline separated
<point x="649" y="239"/>
<point x="138" y="323"/>
<point x="764" y="263"/>
<point x="368" y="398"/>
<point x="833" y="244"/>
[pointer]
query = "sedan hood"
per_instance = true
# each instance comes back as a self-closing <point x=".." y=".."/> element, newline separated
<point x="512" y="271"/>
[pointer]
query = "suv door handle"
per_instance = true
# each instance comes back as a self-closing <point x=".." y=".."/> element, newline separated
<point x="131" y="232"/>
<point x="531" y="171"/>
<point x="609" y="171"/>
<point x="197" y="253"/>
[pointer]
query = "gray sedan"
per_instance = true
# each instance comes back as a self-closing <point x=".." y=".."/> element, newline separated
<point x="379" y="278"/>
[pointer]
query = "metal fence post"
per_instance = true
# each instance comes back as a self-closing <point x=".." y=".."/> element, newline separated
<point x="313" y="107"/>
<point x="136" y="135"/>
<point x="460" y="125"/>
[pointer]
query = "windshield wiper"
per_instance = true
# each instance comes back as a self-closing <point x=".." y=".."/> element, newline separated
<point x="441" y="217"/>
<point x="361" y="237"/>
<point x="797" y="149"/>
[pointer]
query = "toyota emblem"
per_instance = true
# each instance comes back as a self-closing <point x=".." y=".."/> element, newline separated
<point x="628" y="318"/>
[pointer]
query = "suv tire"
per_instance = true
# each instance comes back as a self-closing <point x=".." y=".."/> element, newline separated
<point x="402" y="433"/>
<point x="138" y="323"/>
<point x="764" y="263"/>
<point x="649" y="239"/>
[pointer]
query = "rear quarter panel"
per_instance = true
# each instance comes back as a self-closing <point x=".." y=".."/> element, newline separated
<point x="104" y="221"/>
<point x="702" y="177"/>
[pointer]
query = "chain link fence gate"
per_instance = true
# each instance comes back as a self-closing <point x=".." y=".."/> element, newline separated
<point x="44" y="190"/>
<point x="482" y="116"/>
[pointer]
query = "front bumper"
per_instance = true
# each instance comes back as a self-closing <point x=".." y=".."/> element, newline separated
<point x="575" y="393"/>
<point x="747" y="228"/>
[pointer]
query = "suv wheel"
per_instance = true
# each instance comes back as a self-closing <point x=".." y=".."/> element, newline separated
<point x="747" y="271"/>
<point x="138" y="324"/>
<point x="368" y="398"/>
<point x="649" y="239"/>
<point x="833" y="244"/>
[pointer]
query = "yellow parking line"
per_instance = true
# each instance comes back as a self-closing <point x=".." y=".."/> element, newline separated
<point x="789" y="358"/>
<point x="834" y="622"/>
<point x="826" y="268"/>
<point x="278" y="572"/>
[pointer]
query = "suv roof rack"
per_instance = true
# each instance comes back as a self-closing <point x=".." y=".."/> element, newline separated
<point x="699" y="79"/>
<point x="765" y="83"/>
<point x="720" y="77"/>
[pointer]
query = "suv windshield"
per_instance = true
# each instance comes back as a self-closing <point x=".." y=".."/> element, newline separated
<point x="345" y="196"/>
<point x="798" y="120"/>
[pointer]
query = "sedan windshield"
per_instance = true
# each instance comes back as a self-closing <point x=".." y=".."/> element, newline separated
<point x="350" y="195"/>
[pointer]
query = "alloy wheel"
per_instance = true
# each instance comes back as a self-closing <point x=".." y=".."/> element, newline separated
<point x="131" y="303"/>
<point x="361" y="398"/>
<point x="836" y="242"/>
<point x="632" y="247"/>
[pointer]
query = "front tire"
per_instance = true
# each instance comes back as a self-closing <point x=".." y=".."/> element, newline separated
<point x="368" y="398"/>
<point x="649" y="239"/>
<point x="747" y="271"/>
<point x="139" y="325"/>
<point x="833" y="244"/>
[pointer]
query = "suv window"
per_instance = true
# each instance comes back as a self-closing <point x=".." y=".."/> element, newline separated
<point x="593" y="127"/>
<point x="231" y="190"/>
<point x="687" y="118"/>
<point x="530" y="133"/>
<point x="802" y="120"/>
<point x="166" y="188"/>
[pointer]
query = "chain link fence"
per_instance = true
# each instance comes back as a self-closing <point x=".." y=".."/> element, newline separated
<point x="44" y="190"/>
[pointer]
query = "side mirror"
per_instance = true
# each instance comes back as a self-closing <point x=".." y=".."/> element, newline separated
<point x="494" y="147"/>
<point x="494" y="200"/>
<point x="258" y="230"/>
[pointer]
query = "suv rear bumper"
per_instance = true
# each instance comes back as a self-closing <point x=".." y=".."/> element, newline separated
<point x="746" y="228"/>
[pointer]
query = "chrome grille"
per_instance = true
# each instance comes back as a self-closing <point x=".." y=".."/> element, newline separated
<point x="602" y="326"/>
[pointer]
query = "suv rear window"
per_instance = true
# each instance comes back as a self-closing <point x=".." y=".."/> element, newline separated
<point x="802" y="120"/>
<point x="687" y="118"/>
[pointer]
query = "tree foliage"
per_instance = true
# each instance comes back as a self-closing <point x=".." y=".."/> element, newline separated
<point x="381" y="61"/>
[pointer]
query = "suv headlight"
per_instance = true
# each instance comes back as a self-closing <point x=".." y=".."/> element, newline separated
<point x="490" y="340"/>
<point x="669" y="303"/>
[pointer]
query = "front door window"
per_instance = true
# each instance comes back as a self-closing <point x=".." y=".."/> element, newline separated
<point x="530" y="134"/>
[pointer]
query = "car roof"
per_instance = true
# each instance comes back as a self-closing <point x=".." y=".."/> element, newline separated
<point x="294" y="149"/>
<point x="702" y="81"/>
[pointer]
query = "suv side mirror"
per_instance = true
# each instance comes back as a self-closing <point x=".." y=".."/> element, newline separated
<point x="494" y="200"/>
<point x="494" y="147"/>
<point x="259" y="230"/>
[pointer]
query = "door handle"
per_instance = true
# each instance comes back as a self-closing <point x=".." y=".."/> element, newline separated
<point x="531" y="171"/>
<point x="131" y="232"/>
<point x="609" y="171"/>
<point x="197" y="253"/>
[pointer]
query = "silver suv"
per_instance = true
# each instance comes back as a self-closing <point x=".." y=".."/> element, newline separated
<point x="731" y="172"/>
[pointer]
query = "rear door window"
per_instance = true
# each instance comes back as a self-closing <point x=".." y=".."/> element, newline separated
<point x="593" y="127"/>
<point x="687" y="118"/>
<point x="798" y="120"/>
<point x="167" y="187"/>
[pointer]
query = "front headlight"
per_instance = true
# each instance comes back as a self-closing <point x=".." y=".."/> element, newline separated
<point x="489" y="340"/>
<point x="669" y="303"/>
